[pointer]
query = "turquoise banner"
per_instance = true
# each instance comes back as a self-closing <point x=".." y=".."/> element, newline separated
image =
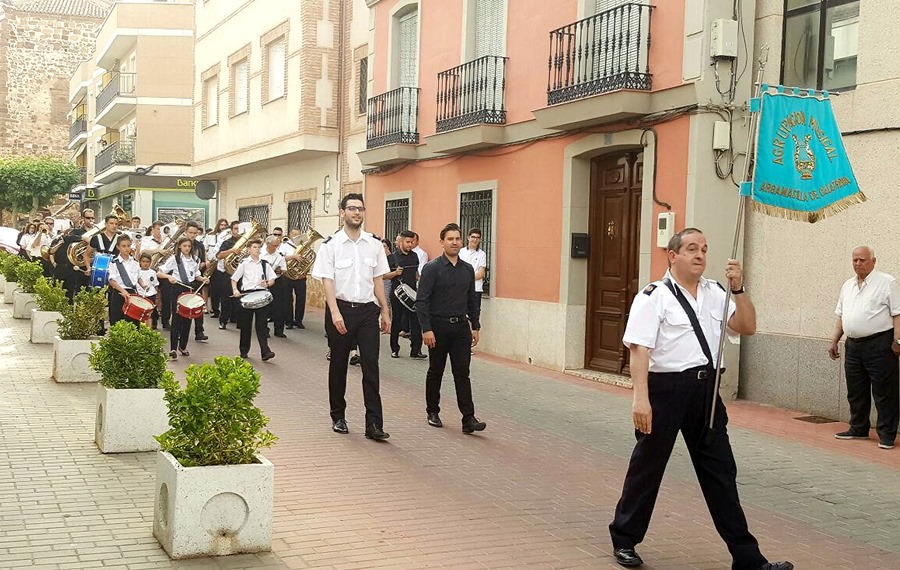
<point x="802" y="171"/>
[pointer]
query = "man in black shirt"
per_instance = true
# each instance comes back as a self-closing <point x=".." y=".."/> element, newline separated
<point x="406" y="270"/>
<point x="62" y="267"/>
<point x="447" y="308"/>
<point x="221" y="281"/>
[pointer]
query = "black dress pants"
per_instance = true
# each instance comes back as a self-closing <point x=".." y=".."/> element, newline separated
<point x="454" y="340"/>
<point x="280" y="309"/>
<point x="66" y="275"/>
<point x="414" y="328"/>
<point x="246" y="319"/>
<point x="679" y="401"/>
<point x="227" y="309"/>
<point x="297" y="290"/>
<point x="180" y="330"/>
<point x="871" y="368"/>
<point x="168" y="293"/>
<point x="361" y="320"/>
<point x="116" y="303"/>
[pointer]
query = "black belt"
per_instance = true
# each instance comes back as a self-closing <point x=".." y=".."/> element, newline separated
<point x="872" y="336"/>
<point x="698" y="372"/>
<point x="344" y="303"/>
<point x="451" y="320"/>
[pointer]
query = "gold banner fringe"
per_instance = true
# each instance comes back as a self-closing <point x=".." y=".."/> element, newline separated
<point x="811" y="217"/>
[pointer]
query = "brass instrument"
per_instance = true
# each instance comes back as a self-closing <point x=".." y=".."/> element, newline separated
<point x="77" y="251"/>
<point x="235" y="259"/>
<point x="168" y="245"/>
<point x="300" y="268"/>
<point x="62" y="209"/>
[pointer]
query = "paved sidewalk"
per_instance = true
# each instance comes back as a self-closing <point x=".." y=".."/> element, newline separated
<point x="536" y="489"/>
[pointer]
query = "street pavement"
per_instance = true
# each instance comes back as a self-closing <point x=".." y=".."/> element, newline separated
<point x="536" y="489"/>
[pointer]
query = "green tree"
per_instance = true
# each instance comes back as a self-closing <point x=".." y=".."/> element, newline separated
<point x="28" y="183"/>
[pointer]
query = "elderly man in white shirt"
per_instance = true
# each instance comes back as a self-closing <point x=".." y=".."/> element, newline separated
<point x="868" y="313"/>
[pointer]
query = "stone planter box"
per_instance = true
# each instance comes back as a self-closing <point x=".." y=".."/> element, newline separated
<point x="214" y="510"/>
<point x="70" y="361"/>
<point x="9" y="290"/>
<point x="22" y="305"/>
<point x="127" y="420"/>
<point x="44" y="326"/>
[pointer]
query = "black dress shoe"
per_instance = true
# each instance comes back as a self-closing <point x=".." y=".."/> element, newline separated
<point x="201" y="338"/>
<point x="289" y="327"/>
<point x="268" y="356"/>
<point x="354" y="360"/>
<point x="245" y="356"/>
<point x="376" y="433"/>
<point x="434" y="420"/>
<point x="222" y="327"/>
<point x="419" y="356"/>
<point x="300" y="326"/>
<point x="340" y="426"/>
<point x="472" y="425"/>
<point x="777" y="566"/>
<point x="395" y="354"/>
<point x="627" y="557"/>
<point x="281" y="335"/>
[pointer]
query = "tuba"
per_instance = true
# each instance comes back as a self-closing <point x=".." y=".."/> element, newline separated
<point x="235" y="259"/>
<point x="299" y="268"/>
<point x="168" y="245"/>
<point x="77" y="251"/>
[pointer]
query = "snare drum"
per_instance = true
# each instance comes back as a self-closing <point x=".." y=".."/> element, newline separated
<point x="190" y="305"/>
<point x="256" y="299"/>
<point x="406" y="295"/>
<point x="138" y="308"/>
<point x="100" y="269"/>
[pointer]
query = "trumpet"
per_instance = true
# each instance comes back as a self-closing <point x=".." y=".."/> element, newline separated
<point x="76" y="252"/>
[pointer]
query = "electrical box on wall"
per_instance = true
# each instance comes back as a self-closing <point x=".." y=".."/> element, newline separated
<point x="723" y="39"/>
<point x="721" y="135"/>
<point x="665" y="228"/>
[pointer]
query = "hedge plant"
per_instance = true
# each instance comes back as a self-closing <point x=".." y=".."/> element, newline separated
<point x="50" y="295"/>
<point x="27" y="274"/>
<point x="213" y="419"/>
<point x="130" y="357"/>
<point x="81" y="319"/>
<point x="10" y="263"/>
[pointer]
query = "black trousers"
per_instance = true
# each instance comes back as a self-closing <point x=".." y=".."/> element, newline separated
<point x="679" y="403"/>
<point x="280" y="309"/>
<point x="167" y="294"/>
<point x="116" y="302"/>
<point x="246" y="319"/>
<point x="871" y="368"/>
<point x="180" y="330"/>
<point x="455" y="340"/>
<point x="227" y="308"/>
<point x="415" y="330"/>
<point x="296" y="290"/>
<point x="361" y="321"/>
<point x="66" y="276"/>
<point x="198" y="322"/>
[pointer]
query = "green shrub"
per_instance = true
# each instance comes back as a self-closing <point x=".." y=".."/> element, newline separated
<point x="130" y="357"/>
<point x="50" y="295"/>
<point x="10" y="263"/>
<point x="213" y="420"/>
<point x="81" y="319"/>
<point x="27" y="275"/>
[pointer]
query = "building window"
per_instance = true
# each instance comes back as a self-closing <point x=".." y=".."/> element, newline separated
<point x="299" y="215"/>
<point x="396" y="217"/>
<point x="476" y="211"/>
<point x="363" y="85"/>
<point x="820" y="43"/>
<point x="259" y="214"/>
<point x="240" y="86"/>
<point x="275" y="68"/>
<point x="211" y="102"/>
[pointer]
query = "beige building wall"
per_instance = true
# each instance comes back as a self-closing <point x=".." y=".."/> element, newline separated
<point x="795" y="270"/>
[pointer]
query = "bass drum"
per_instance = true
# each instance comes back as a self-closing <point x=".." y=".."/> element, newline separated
<point x="100" y="269"/>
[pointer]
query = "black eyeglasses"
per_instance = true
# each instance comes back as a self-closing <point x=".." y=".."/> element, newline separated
<point x="355" y="208"/>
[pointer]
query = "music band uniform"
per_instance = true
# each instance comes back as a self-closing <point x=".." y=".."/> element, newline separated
<point x="124" y="272"/>
<point x="149" y="290"/>
<point x="353" y="266"/>
<point x="198" y="254"/>
<point x="186" y="271"/>
<point x="409" y="262"/>
<point x="279" y="310"/>
<point x="680" y="383"/>
<point x="296" y="293"/>
<point x="63" y="271"/>
<point x="249" y="276"/>
<point x="221" y="282"/>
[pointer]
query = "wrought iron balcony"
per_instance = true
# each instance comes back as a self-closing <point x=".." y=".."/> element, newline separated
<point x="393" y="118"/>
<point x="78" y="127"/>
<point x="120" y="85"/>
<point x="605" y="52"/>
<point x="472" y="93"/>
<point x="121" y="152"/>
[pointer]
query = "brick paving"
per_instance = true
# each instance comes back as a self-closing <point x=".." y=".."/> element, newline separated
<point x="536" y="489"/>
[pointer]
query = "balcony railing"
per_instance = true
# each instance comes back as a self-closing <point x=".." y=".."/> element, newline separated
<point x="78" y="126"/>
<point x="393" y="118"/>
<point x="605" y="52"/>
<point x="121" y="152"/>
<point x="472" y="93"/>
<point x="120" y="85"/>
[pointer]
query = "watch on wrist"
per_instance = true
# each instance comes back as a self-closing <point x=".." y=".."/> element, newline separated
<point x="897" y="341"/>
<point x="738" y="291"/>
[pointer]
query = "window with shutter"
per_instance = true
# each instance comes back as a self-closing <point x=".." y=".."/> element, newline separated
<point x="275" y="69"/>
<point x="490" y="27"/>
<point x="409" y="49"/>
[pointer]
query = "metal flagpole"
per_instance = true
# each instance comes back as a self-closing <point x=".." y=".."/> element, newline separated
<point x="751" y="135"/>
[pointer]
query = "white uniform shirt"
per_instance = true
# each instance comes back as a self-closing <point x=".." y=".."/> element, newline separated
<point x="275" y="260"/>
<point x="149" y="243"/>
<point x="150" y="279"/>
<point x="658" y="322"/>
<point x="352" y="265"/>
<point x="477" y="259"/>
<point x="869" y="309"/>
<point x="252" y="273"/>
<point x="131" y="267"/>
<point x="423" y="257"/>
<point x="287" y="248"/>
<point x="191" y="269"/>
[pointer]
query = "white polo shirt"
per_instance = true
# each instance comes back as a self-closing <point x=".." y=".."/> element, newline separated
<point x="868" y="309"/>
<point x="477" y="258"/>
<point x="352" y="265"/>
<point x="658" y="322"/>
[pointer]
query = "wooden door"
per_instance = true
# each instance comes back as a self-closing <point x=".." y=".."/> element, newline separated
<point x="615" y="213"/>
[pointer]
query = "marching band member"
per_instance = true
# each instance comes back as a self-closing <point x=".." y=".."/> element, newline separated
<point x="406" y="264"/>
<point x="253" y="274"/>
<point x="220" y="280"/>
<point x="193" y="230"/>
<point x="151" y="242"/>
<point x="124" y="272"/>
<point x="62" y="267"/>
<point x="27" y="238"/>
<point x="103" y="242"/>
<point x="296" y="288"/>
<point x="211" y="242"/>
<point x="280" y="307"/>
<point x="148" y="284"/>
<point x="181" y="271"/>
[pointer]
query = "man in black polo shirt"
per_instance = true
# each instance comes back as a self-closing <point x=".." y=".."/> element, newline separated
<point x="221" y="281"/>
<point x="406" y="270"/>
<point x="447" y="308"/>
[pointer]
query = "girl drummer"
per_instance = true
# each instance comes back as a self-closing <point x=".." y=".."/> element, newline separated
<point x="180" y="270"/>
<point x="147" y="285"/>
<point x="253" y="275"/>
